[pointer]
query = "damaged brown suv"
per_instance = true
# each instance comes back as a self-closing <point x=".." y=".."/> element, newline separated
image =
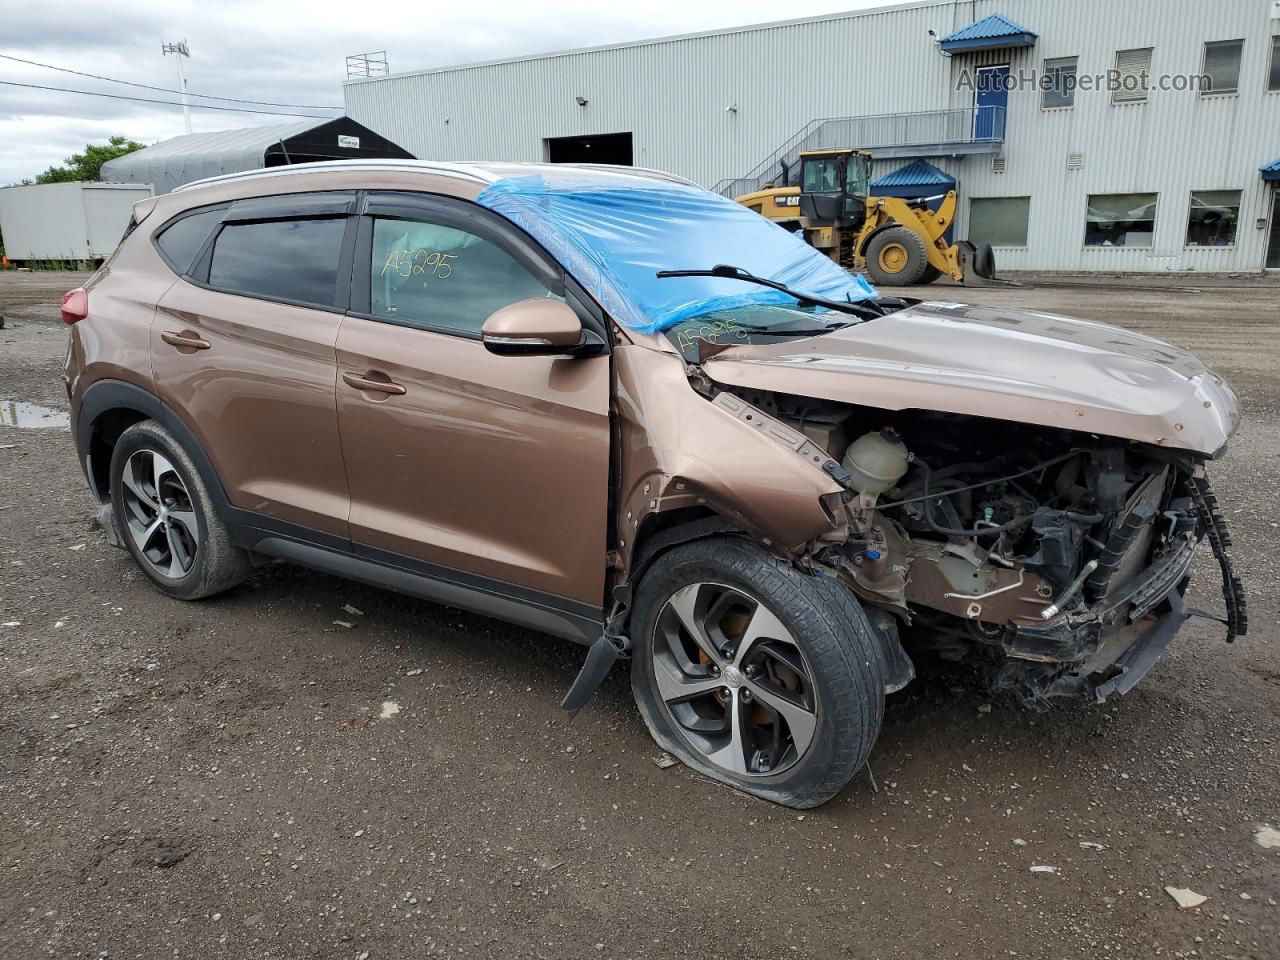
<point x="614" y="407"/>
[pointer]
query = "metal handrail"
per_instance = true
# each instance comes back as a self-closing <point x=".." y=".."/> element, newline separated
<point x="872" y="131"/>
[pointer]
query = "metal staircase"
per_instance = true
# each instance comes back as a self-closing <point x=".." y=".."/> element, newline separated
<point x="927" y="133"/>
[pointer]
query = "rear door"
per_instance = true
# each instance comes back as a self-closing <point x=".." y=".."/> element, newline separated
<point x="244" y="351"/>
<point x="492" y="471"/>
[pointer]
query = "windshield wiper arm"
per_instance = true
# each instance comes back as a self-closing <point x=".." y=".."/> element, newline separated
<point x="730" y="272"/>
<point x="790" y="331"/>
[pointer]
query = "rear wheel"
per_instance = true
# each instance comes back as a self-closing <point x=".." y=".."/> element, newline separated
<point x="754" y="673"/>
<point x="896" y="257"/>
<point x="166" y="517"/>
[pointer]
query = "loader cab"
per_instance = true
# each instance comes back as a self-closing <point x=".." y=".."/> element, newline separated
<point x="834" y="187"/>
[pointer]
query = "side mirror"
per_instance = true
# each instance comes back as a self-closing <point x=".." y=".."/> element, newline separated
<point x="528" y="328"/>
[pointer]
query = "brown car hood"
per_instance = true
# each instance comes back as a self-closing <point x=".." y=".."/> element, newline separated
<point x="1007" y="364"/>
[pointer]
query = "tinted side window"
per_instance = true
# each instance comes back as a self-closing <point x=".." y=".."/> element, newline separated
<point x="279" y="259"/>
<point x="443" y="278"/>
<point x="181" y="241"/>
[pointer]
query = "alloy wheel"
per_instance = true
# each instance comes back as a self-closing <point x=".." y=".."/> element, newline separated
<point x="734" y="680"/>
<point x="159" y="514"/>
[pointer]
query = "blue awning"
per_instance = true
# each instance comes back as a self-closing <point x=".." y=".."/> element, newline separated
<point x="1272" y="170"/>
<point x="990" y="33"/>
<point x="918" y="173"/>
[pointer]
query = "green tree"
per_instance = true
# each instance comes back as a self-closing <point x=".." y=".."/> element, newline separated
<point x="88" y="165"/>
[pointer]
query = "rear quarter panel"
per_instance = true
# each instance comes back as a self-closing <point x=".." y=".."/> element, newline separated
<point x="114" y="341"/>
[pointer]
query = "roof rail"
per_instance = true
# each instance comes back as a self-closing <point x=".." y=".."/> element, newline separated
<point x="472" y="172"/>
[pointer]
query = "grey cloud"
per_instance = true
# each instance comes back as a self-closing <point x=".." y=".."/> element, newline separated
<point x="283" y="52"/>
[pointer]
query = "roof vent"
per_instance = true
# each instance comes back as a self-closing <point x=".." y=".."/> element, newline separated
<point x="997" y="164"/>
<point x="1075" y="161"/>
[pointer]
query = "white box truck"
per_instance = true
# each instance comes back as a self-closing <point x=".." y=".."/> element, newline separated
<point x="66" y="221"/>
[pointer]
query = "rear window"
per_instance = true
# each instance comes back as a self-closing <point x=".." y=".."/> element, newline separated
<point x="181" y="241"/>
<point x="294" y="260"/>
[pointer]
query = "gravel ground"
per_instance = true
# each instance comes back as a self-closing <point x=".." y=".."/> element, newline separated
<point x="231" y="778"/>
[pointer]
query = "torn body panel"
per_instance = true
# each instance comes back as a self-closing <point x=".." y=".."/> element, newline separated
<point x="679" y="451"/>
<point x="718" y="466"/>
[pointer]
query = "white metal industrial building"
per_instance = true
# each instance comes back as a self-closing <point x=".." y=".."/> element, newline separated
<point x="1125" y="135"/>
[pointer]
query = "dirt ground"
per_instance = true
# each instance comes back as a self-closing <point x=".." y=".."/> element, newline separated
<point x="225" y="779"/>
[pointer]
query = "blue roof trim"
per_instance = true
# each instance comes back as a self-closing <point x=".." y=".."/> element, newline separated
<point x="1272" y="170"/>
<point x="989" y="33"/>
<point x="918" y="173"/>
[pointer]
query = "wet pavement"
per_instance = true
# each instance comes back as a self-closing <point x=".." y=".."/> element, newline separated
<point x="32" y="416"/>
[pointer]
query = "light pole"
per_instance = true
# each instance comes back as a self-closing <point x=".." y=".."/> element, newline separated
<point x="180" y="50"/>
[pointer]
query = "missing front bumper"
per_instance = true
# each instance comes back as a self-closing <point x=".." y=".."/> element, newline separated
<point x="1141" y="657"/>
<point x="1105" y="650"/>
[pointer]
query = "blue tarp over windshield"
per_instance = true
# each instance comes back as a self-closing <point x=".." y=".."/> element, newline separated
<point x="613" y="233"/>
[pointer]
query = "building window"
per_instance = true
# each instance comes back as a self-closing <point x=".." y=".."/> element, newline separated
<point x="1222" y="66"/>
<point x="1273" y="77"/>
<point x="999" y="221"/>
<point x="1133" y="74"/>
<point x="1120" y="220"/>
<point x="1059" y="83"/>
<point x="1213" y="218"/>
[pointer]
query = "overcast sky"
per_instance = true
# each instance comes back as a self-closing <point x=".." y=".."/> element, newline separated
<point x="287" y="52"/>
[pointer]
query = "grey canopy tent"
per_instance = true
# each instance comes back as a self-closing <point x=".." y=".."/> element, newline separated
<point x="171" y="163"/>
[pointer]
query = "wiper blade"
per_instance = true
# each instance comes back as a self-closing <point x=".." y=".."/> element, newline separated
<point x="789" y="331"/>
<point x="864" y="310"/>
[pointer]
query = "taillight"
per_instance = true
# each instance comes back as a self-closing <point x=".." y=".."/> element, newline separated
<point x="75" y="305"/>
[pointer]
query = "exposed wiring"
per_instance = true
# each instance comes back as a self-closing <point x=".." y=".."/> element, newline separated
<point x="167" y="103"/>
<point x="147" y="86"/>
<point x="986" y="483"/>
<point x="990" y="530"/>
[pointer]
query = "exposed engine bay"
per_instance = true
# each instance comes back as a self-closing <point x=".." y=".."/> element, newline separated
<point x="1057" y="558"/>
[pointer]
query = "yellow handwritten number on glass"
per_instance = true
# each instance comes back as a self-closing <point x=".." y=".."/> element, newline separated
<point x="408" y="263"/>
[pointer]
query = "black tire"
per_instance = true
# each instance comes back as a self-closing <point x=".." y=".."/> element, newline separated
<point x="984" y="261"/>
<point x="931" y="273"/>
<point x="840" y="654"/>
<point x="896" y="257"/>
<point x="215" y="564"/>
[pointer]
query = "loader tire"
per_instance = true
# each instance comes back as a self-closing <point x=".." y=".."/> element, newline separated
<point x="931" y="273"/>
<point x="896" y="257"/>
<point x="984" y="261"/>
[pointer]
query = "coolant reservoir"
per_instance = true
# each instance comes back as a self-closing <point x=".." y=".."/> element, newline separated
<point x="876" y="462"/>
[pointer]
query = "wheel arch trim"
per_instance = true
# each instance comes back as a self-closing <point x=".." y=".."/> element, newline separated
<point x="106" y="396"/>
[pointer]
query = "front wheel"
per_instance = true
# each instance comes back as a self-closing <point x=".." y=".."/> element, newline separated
<point x="897" y="257"/>
<point x="756" y="674"/>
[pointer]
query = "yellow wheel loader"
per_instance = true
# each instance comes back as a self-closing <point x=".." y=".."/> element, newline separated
<point x="898" y="242"/>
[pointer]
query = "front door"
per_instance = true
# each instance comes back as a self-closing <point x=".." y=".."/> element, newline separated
<point x="1273" y="243"/>
<point x="991" y="97"/>
<point x="485" y="469"/>
<point x="243" y="349"/>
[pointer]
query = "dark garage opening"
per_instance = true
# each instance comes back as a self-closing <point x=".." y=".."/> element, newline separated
<point x="601" y="148"/>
